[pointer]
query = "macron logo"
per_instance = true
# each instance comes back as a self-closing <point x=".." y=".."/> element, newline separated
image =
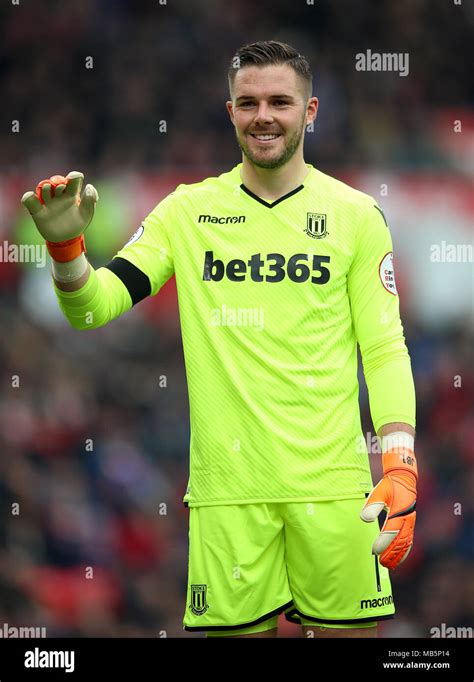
<point x="227" y="219"/>
<point x="373" y="603"/>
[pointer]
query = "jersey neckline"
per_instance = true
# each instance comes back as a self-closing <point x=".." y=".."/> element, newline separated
<point x="269" y="204"/>
<point x="273" y="203"/>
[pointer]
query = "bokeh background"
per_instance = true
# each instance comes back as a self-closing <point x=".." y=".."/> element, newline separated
<point x="94" y="454"/>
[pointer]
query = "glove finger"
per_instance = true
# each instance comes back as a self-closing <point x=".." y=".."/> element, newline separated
<point x="46" y="193"/>
<point x="90" y="194"/>
<point x="378" y="499"/>
<point x="89" y="199"/>
<point x="394" y="555"/>
<point x="74" y="183"/>
<point x="399" y="547"/>
<point x="388" y="533"/>
<point x="405" y="555"/>
<point x="370" y="512"/>
<point x="383" y="541"/>
<point x="31" y="202"/>
<point x="59" y="190"/>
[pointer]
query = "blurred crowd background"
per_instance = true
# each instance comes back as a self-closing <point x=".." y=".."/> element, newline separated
<point x="155" y="62"/>
<point x="94" y="453"/>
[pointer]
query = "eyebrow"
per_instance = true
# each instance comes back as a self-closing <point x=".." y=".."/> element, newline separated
<point x="289" y="97"/>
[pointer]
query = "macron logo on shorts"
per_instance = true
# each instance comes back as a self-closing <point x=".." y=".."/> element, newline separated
<point x="374" y="603"/>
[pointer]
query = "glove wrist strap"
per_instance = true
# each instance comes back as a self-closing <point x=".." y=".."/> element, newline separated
<point x="400" y="458"/>
<point x="63" y="252"/>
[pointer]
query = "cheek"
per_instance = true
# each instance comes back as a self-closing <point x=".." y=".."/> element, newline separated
<point x="242" y="121"/>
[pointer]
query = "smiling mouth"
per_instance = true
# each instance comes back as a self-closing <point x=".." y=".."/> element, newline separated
<point x="265" y="137"/>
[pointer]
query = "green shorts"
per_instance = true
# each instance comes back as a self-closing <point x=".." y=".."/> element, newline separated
<point x="311" y="560"/>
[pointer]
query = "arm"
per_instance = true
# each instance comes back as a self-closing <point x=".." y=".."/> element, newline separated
<point x="395" y="426"/>
<point x="75" y="284"/>
<point x="100" y="299"/>
<point x="139" y="269"/>
<point x="387" y="369"/>
<point x="90" y="298"/>
<point x="377" y="326"/>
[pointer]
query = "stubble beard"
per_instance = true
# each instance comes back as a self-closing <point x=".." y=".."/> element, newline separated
<point x="275" y="162"/>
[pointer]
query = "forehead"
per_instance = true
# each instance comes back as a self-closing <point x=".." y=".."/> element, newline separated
<point x="264" y="81"/>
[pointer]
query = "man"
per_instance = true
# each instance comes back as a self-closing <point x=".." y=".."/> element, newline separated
<point x="280" y="271"/>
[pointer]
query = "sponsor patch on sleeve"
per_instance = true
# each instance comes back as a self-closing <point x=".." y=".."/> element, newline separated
<point x="387" y="274"/>
<point x="135" y="236"/>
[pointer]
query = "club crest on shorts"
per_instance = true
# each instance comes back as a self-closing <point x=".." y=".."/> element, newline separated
<point x="316" y="225"/>
<point x="199" y="603"/>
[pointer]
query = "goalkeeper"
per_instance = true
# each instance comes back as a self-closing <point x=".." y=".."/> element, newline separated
<point x="283" y="508"/>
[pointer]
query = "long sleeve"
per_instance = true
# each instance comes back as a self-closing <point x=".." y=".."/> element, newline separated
<point x="102" y="298"/>
<point x="378" y="328"/>
<point x="139" y="269"/>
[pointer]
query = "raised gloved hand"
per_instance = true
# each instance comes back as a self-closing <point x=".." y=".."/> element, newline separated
<point x="58" y="209"/>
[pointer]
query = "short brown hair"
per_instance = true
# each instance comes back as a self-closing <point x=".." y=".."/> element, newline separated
<point x="266" y="52"/>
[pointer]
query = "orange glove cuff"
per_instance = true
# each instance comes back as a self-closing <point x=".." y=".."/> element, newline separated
<point x="401" y="459"/>
<point x="63" y="252"/>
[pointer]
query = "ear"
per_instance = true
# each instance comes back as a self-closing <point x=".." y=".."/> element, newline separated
<point x="312" y="109"/>
<point x="230" y="109"/>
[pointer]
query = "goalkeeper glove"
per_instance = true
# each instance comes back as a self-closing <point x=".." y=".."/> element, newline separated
<point x="61" y="214"/>
<point x="396" y="493"/>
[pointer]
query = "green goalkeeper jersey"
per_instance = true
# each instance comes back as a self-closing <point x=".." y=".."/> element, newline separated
<point x="273" y="299"/>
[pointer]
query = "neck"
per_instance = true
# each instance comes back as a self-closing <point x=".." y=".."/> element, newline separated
<point x="273" y="183"/>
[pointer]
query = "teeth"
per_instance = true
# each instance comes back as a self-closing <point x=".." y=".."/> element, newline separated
<point x="266" y="137"/>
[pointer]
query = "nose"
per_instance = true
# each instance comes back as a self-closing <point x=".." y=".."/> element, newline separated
<point x="263" y="114"/>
